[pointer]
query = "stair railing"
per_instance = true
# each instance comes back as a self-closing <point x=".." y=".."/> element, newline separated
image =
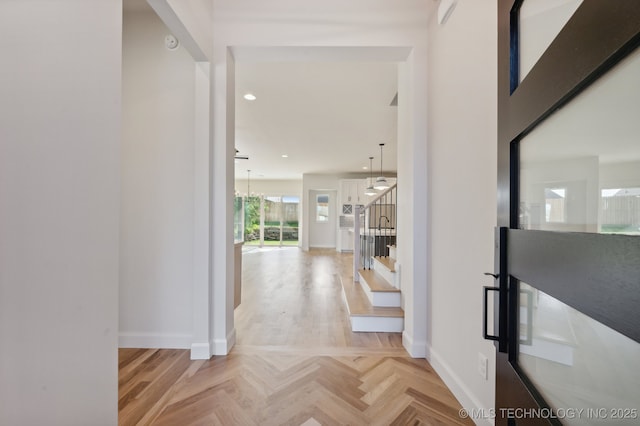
<point x="374" y="229"/>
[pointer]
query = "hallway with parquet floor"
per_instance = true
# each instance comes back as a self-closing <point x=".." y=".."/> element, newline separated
<point x="295" y="362"/>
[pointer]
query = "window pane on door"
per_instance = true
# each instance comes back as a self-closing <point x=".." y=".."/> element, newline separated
<point x="620" y="208"/>
<point x="281" y="220"/>
<point x="587" y="372"/>
<point x="322" y="208"/>
<point x="272" y="219"/>
<point x="290" y="224"/>
<point x="252" y="220"/>
<point x="238" y="222"/>
<point x="580" y="168"/>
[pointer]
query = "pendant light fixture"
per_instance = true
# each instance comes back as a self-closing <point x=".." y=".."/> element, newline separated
<point x="370" y="189"/>
<point x="248" y="183"/>
<point x="381" y="182"/>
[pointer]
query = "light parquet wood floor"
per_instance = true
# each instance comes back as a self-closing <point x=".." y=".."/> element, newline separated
<point x="318" y="373"/>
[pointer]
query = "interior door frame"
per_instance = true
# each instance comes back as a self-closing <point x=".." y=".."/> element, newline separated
<point x="597" y="37"/>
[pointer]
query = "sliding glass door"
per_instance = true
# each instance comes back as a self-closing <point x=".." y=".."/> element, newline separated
<point x="252" y="215"/>
<point x="290" y="221"/>
<point x="281" y="220"/>
<point x="267" y="220"/>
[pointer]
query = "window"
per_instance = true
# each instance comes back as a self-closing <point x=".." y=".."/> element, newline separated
<point x="555" y="204"/>
<point x="620" y="211"/>
<point x="238" y="222"/>
<point x="322" y="208"/>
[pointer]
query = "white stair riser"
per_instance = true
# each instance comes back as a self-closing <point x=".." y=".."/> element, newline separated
<point x="386" y="299"/>
<point x="377" y="324"/>
<point x="381" y="298"/>
<point x="392" y="253"/>
<point x="381" y="269"/>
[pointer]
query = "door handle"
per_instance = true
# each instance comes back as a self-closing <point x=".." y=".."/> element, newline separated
<point x="502" y="280"/>
<point x="485" y="334"/>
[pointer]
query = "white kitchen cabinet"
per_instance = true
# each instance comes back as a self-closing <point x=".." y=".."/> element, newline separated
<point x="352" y="191"/>
<point x="346" y="240"/>
<point x="349" y="190"/>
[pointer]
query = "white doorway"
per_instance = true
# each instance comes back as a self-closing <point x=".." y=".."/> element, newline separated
<point x="322" y="218"/>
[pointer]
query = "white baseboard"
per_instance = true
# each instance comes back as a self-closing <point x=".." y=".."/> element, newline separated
<point x="415" y="349"/>
<point x="154" y="340"/>
<point x="464" y="395"/>
<point x="231" y="339"/>
<point x="201" y="350"/>
<point x="223" y="346"/>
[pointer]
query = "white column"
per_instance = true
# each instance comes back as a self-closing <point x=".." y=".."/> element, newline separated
<point x="201" y="347"/>
<point x="221" y="229"/>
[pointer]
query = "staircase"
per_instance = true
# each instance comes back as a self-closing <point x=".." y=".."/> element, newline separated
<point x="373" y="298"/>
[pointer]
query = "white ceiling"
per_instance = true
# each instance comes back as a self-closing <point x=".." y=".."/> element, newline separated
<point x="328" y="117"/>
<point x="328" y="109"/>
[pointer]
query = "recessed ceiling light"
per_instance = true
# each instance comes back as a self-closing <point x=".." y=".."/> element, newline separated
<point x="250" y="97"/>
<point x="285" y="156"/>
<point x="364" y="167"/>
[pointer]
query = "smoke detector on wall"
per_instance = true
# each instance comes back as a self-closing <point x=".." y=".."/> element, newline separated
<point x="171" y="42"/>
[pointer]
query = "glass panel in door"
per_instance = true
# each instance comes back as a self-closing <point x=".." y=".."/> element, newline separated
<point x="252" y="212"/>
<point x="238" y="219"/>
<point x="272" y="220"/>
<point x="281" y="220"/>
<point x="580" y="168"/>
<point x="588" y="373"/>
<point x="290" y="220"/>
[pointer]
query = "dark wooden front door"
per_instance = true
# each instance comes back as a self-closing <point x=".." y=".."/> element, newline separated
<point x="567" y="305"/>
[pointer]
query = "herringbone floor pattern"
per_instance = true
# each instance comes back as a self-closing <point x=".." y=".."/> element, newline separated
<point x="163" y="387"/>
<point x="295" y="362"/>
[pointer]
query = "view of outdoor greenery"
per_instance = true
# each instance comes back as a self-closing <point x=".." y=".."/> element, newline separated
<point x="251" y="219"/>
<point x="279" y="215"/>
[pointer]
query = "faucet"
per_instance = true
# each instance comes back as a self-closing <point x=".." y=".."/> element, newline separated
<point x="380" y="220"/>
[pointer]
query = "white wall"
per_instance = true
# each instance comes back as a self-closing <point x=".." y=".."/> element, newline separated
<point x="190" y="23"/>
<point x="60" y="124"/>
<point x="623" y="175"/>
<point x="270" y="187"/>
<point x="196" y="16"/>
<point x="157" y="212"/>
<point x="462" y="194"/>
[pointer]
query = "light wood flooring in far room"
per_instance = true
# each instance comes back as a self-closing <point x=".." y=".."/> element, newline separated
<point x="296" y="361"/>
